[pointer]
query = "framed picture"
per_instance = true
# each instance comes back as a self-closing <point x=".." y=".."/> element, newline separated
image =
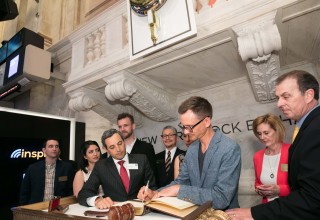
<point x="175" y="22"/>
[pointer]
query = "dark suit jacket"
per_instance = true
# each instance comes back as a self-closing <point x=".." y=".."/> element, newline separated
<point x="33" y="184"/>
<point x="162" y="178"/>
<point x="142" y="147"/>
<point x="105" y="173"/>
<point x="304" y="177"/>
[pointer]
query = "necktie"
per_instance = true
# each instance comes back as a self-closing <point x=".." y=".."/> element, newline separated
<point x="124" y="175"/>
<point x="295" y="132"/>
<point x="168" y="162"/>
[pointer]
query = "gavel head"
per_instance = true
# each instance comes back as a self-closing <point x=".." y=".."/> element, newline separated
<point x="124" y="212"/>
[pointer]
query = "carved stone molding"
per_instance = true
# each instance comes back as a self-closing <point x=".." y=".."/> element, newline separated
<point x="80" y="101"/>
<point x="258" y="42"/>
<point x="85" y="99"/>
<point x="152" y="101"/>
<point x="262" y="76"/>
<point x="258" y="38"/>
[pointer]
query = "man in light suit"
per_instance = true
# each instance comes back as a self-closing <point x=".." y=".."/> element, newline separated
<point x="47" y="178"/>
<point x="126" y="126"/>
<point x="107" y="173"/>
<point x="298" y="95"/>
<point x="169" y="139"/>
<point x="211" y="168"/>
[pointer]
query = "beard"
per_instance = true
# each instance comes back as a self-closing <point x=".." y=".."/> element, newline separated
<point x="126" y="135"/>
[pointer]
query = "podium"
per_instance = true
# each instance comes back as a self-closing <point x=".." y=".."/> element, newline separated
<point x="38" y="211"/>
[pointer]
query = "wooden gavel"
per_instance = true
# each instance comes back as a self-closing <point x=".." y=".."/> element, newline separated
<point x="124" y="212"/>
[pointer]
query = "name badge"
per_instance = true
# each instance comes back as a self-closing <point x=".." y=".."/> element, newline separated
<point x="63" y="178"/>
<point x="284" y="167"/>
<point x="132" y="166"/>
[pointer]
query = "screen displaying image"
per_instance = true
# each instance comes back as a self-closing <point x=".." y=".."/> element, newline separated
<point x="13" y="68"/>
<point x="3" y="53"/>
<point x="16" y="154"/>
<point x="15" y="43"/>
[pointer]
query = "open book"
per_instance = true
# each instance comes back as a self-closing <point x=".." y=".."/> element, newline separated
<point x="168" y="205"/>
<point x="171" y="206"/>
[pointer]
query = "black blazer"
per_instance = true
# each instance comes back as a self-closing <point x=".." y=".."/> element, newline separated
<point x="162" y="178"/>
<point x="304" y="177"/>
<point x="105" y="173"/>
<point x="33" y="184"/>
<point x="142" y="147"/>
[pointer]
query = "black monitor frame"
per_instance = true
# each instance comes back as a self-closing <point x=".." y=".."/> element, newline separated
<point x="6" y="78"/>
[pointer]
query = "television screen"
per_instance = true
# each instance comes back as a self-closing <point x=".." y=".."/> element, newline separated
<point x="15" y="43"/>
<point x="16" y="154"/>
<point x="13" y="66"/>
<point x="3" y="53"/>
<point x="21" y="139"/>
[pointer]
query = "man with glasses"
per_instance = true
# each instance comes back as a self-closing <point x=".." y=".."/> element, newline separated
<point x="211" y="169"/>
<point x="165" y="159"/>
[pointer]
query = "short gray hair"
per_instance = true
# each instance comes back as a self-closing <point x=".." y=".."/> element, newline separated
<point x="109" y="133"/>
<point x="170" y="127"/>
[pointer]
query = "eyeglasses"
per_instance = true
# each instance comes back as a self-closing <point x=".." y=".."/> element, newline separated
<point x="164" y="136"/>
<point x="190" y="128"/>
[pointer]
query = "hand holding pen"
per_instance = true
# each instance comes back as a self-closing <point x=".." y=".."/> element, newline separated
<point x="145" y="191"/>
<point x="145" y="194"/>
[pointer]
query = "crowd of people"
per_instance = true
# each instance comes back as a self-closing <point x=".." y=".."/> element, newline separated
<point x="287" y="175"/>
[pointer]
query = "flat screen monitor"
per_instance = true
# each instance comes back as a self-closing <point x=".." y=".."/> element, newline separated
<point x="15" y="43"/>
<point x="21" y="140"/>
<point x="14" y="66"/>
<point x="3" y="53"/>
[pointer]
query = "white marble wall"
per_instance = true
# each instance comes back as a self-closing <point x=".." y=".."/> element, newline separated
<point x="234" y="106"/>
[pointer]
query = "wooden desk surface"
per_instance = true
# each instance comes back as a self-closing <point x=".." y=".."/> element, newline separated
<point x="38" y="211"/>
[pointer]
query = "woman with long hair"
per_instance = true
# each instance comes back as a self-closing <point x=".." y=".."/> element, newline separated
<point x="90" y="154"/>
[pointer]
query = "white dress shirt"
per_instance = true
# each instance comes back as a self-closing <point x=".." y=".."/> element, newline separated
<point x="91" y="200"/>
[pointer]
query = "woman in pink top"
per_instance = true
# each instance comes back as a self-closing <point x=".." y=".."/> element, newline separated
<point x="271" y="163"/>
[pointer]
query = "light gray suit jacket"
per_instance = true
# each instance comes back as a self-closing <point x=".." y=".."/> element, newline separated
<point x="220" y="174"/>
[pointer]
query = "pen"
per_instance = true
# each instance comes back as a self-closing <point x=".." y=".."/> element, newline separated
<point x="145" y="189"/>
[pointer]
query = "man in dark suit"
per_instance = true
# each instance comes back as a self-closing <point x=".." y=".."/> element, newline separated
<point x="47" y="178"/>
<point x="121" y="175"/>
<point x="126" y="126"/>
<point x="298" y="95"/>
<point x="165" y="159"/>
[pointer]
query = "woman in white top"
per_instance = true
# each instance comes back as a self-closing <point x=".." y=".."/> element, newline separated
<point x="90" y="154"/>
<point x="271" y="162"/>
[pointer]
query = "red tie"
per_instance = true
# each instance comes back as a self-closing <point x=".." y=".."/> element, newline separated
<point x="124" y="175"/>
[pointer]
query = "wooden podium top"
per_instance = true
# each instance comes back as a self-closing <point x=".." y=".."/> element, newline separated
<point x="38" y="211"/>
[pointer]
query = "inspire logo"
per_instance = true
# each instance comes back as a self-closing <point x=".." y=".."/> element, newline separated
<point x="21" y="153"/>
<point x="16" y="154"/>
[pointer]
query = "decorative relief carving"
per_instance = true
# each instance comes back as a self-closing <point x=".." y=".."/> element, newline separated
<point x="95" y="46"/>
<point x="153" y="101"/>
<point x="86" y="99"/>
<point x="125" y="33"/>
<point x="103" y="41"/>
<point x="79" y="101"/>
<point x="258" y="40"/>
<point x="263" y="76"/>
